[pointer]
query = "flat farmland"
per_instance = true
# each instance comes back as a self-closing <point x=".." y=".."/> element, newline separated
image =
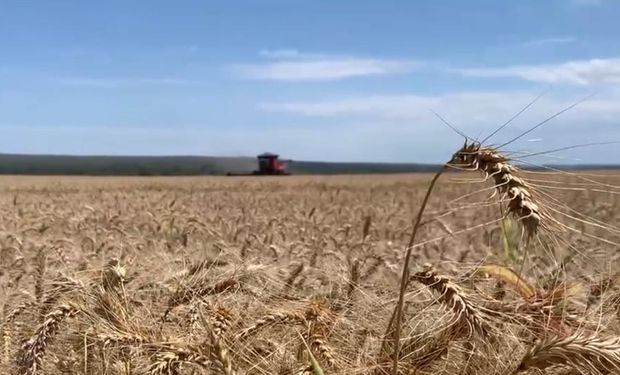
<point x="301" y="275"/>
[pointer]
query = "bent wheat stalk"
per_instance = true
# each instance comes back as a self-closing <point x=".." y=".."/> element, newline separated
<point x="393" y="329"/>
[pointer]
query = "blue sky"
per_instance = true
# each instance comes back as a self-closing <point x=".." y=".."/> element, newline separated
<point x="316" y="80"/>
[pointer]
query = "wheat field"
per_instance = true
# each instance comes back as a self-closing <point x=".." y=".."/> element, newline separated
<point x="301" y="275"/>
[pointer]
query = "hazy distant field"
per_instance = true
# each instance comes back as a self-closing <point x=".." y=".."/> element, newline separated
<point x="223" y="275"/>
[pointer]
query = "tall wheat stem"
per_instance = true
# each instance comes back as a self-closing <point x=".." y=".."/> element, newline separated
<point x="395" y="321"/>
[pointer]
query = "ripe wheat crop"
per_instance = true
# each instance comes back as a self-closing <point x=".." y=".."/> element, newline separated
<point x="511" y="273"/>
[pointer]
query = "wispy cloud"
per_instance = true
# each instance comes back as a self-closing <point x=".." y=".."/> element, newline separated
<point x="580" y="72"/>
<point x="292" y="65"/>
<point x="118" y="82"/>
<point x="547" y="41"/>
<point x="475" y="108"/>
<point x="387" y="106"/>
<point x="287" y="54"/>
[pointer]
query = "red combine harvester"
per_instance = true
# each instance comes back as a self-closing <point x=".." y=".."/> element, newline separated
<point x="268" y="165"/>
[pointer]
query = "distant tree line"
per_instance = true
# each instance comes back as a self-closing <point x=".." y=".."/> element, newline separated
<point x="193" y="166"/>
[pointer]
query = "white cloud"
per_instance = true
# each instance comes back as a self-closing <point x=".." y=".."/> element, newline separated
<point x="406" y="125"/>
<point x="546" y="41"/>
<point x="471" y="109"/>
<point x="579" y="72"/>
<point x="292" y="65"/>
<point x="118" y="82"/>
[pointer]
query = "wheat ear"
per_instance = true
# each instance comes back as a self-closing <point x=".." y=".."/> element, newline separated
<point x="493" y="164"/>
<point x="274" y="318"/>
<point x="168" y="360"/>
<point x="31" y="352"/>
<point x="467" y="314"/>
<point x="588" y="354"/>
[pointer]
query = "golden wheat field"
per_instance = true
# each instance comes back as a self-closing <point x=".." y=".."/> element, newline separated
<point x="301" y="275"/>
